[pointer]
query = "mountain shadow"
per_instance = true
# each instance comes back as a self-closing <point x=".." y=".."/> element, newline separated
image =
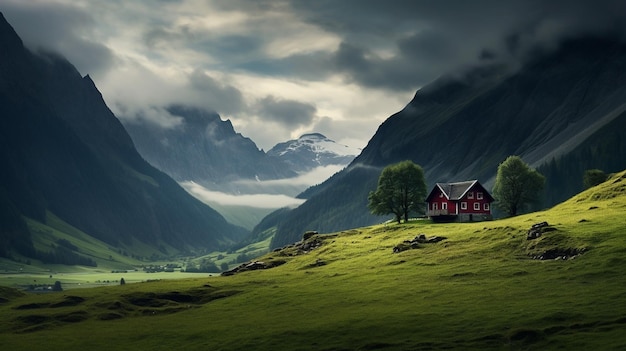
<point x="63" y="151"/>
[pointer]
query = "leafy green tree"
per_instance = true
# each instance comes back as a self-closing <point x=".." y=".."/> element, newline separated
<point x="516" y="185"/>
<point x="401" y="190"/>
<point x="593" y="177"/>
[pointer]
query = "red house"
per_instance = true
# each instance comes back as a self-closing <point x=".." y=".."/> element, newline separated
<point x="465" y="201"/>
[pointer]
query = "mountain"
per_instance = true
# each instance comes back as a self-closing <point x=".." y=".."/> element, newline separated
<point x="204" y="149"/>
<point x="564" y="110"/>
<point x="64" y="153"/>
<point x="213" y="162"/>
<point x="313" y="150"/>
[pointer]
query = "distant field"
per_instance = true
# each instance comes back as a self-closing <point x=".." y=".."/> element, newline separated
<point x="90" y="279"/>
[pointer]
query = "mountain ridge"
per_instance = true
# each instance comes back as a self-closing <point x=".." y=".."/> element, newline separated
<point x="462" y="128"/>
<point x="64" y="151"/>
<point x="312" y="150"/>
<point x="203" y="149"/>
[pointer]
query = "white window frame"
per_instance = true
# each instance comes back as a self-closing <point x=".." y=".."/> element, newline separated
<point x="444" y="205"/>
<point x="476" y="206"/>
<point x="479" y="195"/>
<point x="464" y="205"/>
<point x="434" y="206"/>
<point x="470" y="195"/>
<point x="486" y="206"/>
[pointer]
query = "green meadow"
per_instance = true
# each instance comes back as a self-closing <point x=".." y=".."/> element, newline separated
<point x="483" y="287"/>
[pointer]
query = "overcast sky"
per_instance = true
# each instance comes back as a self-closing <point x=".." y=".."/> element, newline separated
<point x="281" y="68"/>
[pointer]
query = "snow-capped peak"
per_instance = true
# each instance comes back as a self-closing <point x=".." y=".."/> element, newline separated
<point x="320" y="144"/>
<point x="313" y="150"/>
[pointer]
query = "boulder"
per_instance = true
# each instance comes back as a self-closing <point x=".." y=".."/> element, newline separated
<point x="537" y="229"/>
<point x="415" y="243"/>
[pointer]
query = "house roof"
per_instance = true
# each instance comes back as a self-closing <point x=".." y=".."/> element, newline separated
<point x="457" y="190"/>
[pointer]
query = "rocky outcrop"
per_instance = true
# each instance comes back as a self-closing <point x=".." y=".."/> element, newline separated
<point x="537" y="229"/>
<point x="253" y="266"/>
<point x="559" y="254"/>
<point x="415" y="243"/>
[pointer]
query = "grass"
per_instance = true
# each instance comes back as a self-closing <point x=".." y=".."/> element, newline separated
<point x="478" y="289"/>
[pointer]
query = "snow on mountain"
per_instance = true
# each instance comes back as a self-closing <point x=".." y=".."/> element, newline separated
<point x="313" y="150"/>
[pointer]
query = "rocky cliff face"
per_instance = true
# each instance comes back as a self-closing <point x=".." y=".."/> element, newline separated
<point x="63" y="151"/>
<point x="204" y="149"/>
<point x="557" y="105"/>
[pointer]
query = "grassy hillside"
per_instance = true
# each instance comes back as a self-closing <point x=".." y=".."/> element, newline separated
<point x="480" y="288"/>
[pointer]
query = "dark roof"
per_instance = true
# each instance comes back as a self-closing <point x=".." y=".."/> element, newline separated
<point x="457" y="190"/>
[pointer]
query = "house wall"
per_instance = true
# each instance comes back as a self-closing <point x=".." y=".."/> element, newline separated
<point x="470" y="199"/>
<point x="469" y="217"/>
<point x="439" y="199"/>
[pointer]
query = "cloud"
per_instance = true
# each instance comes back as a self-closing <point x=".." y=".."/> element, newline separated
<point x="270" y="194"/>
<point x="251" y="200"/>
<point x="60" y="28"/>
<point x="401" y="45"/>
<point x="155" y="115"/>
<point x="289" y="113"/>
<point x="216" y="94"/>
<point x="302" y="181"/>
<point x="298" y="65"/>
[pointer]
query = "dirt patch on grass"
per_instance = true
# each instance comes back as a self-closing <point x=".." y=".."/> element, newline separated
<point x="7" y="294"/>
<point x="50" y="314"/>
<point x="194" y="296"/>
<point x="32" y="306"/>
<point x="526" y="336"/>
<point x="110" y="316"/>
<point x="68" y="301"/>
<point x="72" y="317"/>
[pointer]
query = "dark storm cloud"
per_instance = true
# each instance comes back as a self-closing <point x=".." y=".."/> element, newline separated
<point x="216" y="94"/>
<point x="311" y="66"/>
<point x="292" y="61"/>
<point x="428" y="38"/>
<point x="289" y="113"/>
<point x="61" y="29"/>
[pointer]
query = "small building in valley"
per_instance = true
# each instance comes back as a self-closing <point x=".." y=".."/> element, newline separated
<point x="466" y="201"/>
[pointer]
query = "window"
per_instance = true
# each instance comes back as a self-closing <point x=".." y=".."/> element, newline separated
<point x="479" y="195"/>
<point x="444" y="206"/>
<point x="464" y="205"/>
<point x="486" y="206"/>
<point x="440" y="194"/>
<point x="434" y="206"/>
<point x="476" y="206"/>
<point x="470" y="195"/>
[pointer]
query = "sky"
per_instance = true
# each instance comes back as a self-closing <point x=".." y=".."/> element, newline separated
<point x="281" y="68"/>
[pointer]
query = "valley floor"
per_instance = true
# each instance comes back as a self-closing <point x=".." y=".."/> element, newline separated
<point x="483" y="287"/>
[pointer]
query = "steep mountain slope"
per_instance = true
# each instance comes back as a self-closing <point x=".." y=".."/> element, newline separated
<point x="204" y="149"/>
<point x="460" y="128"/>
<point x="63" y="151"/>
<point x="313" y="150"/>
